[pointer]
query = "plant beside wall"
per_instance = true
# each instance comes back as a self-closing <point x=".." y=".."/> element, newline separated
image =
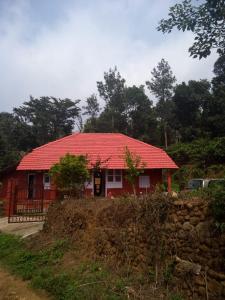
<point x="70" y="174"/>
<point x="217" y="206"/>
<point x="135" y="167"/>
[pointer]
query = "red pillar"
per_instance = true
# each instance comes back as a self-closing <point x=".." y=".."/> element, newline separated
<point x="169" y="181"/>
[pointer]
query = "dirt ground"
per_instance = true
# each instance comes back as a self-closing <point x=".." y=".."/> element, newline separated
<point x="12" y="288"/>
<point x="21" y="229"/>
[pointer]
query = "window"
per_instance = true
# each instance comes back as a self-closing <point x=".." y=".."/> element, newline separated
<point x="144" y="182"/>
<point x="114" y="178"/>
<point x="118" y="176"/>
<point x="110" y="175"/>
<point x="46" y="181"/>
<point x="114" y="175"/>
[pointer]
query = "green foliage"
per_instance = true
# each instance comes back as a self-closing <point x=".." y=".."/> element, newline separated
<point x="161" y="86"/>
<point x="14" y="139"/>
<point x="48" y="118"/>
<point x="25" y="263"/>
<point x="70" y="173"/>
<point x="168" y="272"/>
<point x="217" y="205"/>
<point x="88" y="280"/>
<point x="200" y="159"/>
<point x="134" y="166"/>
<point x="190" y="102"/>
<point x="92" y="110"/>
<point x="202" y="152"/>
<point x="176" y="297"/>
<point x="205" y="20"/>
<point x="162" y="81"/>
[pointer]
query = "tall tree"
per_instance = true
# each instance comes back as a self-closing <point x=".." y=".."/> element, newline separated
<point x="161" y="85"/>
<point x="190" y="102"/>
<point x="140" y="116"/>
<point x="49" y="117"/>
<point x="206" y="20"/>
<point x="92" y="110"/>
<point x="112" y="91"/>
<point x="15" y="138"/>
<point x="215" y="113"/>
<point x="219" y="70"/>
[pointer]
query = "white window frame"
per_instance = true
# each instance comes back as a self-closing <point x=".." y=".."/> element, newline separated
<point x="114" y="184"/>
<point x="144" y="181"/>
<point x="46" y="185"/>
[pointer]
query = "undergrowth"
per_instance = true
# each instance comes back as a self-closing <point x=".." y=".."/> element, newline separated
<point x="89" y="280"/>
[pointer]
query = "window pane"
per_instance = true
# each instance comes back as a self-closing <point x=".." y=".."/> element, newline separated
<point x="46" y="178"/>
<point x="110" y="178"/>
<point x="110" y="172"/>
<point x="118" y="172"/>
<point x="118" y="178"/>
<point x="144" y="181"/>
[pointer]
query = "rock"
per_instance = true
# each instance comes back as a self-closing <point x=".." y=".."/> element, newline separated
<point x="199" y="280"/>
<point x="201" y="291"/>
<point x="174" y="194"/>
<point x="194" y="220"/>
<point x="189" y="205"/>
<point x="187" y="226"/>
<point x="181" y="234"/>
<point x="214" y="286"/>
<point x="216" y="275"/>
<point x="174" y="218"/>
<point x="184" y="267"/>
<point x="204" y="248"/>
<point x="202" y="229"/>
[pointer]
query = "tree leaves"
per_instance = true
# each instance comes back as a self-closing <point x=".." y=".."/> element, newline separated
<point x="206" y="21"/>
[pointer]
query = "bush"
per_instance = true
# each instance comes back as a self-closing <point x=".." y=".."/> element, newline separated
<point x="217" y="206"/>
<point x="70" y="174"/>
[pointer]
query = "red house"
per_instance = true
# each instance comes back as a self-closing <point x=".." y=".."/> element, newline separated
<point x="33" y="182"/>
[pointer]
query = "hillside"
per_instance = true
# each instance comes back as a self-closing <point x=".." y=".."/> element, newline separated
<point x="151" y="248"/>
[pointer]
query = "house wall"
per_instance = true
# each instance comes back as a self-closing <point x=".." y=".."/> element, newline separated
<point x="17" y="182"/>
<point x="155" y="178"/>
<point x="19" y="179"/>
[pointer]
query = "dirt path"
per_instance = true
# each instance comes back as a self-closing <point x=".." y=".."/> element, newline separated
<point x="13" y="288"/>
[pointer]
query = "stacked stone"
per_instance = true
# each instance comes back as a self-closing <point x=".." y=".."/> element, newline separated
<point x="191" y="235"/>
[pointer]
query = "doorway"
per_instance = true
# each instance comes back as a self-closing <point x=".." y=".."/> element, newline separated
<point x="31" y="186"/>
<point x="99" y="183"/>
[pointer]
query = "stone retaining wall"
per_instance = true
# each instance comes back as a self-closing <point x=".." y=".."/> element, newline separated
<point x="191" y="235"/>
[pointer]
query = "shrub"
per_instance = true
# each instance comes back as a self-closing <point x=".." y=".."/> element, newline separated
<point x="217" y="206"/>
<point x="70" y="174"/>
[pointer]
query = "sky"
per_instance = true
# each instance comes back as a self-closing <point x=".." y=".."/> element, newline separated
<point x="61" y="48"/>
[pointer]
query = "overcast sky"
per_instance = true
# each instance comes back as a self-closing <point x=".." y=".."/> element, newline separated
<point x="62" y="47"/>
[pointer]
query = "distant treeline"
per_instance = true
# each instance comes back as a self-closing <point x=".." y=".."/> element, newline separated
<point x="183" y="113"/>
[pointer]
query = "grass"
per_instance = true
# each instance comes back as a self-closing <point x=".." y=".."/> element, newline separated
<point x="90" y="280"/>
<point x="83" y="280"/>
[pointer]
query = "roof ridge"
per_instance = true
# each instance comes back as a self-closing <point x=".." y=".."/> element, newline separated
<point x="56" y="141"/>
<point x="141" y="142"/>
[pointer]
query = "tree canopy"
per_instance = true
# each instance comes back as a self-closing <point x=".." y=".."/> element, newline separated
<point x="206" y="19"/>
<point x="172" y="113"/>
<point x="48" y="117"/>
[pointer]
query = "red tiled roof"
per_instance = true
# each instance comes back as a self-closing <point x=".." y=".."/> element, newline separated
<point x="104" y="145"/>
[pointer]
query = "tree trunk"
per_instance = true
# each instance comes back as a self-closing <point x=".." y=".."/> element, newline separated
<point x="165" y="136"/>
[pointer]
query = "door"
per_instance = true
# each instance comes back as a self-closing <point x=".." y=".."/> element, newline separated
<point x="99" y="183"/>
<point x="31" y="186"/>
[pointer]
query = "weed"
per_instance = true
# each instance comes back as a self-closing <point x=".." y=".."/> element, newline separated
<point x="90" y="280"/>
<point x="168" y="273"/>
<point x="175" y="297"/>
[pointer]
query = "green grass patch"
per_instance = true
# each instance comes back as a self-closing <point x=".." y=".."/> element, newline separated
<point x="90" y="280"/>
